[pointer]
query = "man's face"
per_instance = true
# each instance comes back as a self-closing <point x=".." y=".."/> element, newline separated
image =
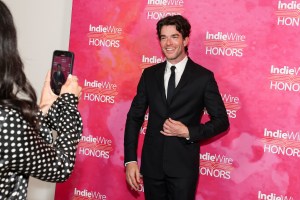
<point x="172" y="44"/>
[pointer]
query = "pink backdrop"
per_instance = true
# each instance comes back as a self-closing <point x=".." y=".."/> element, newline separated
<point x="252" y="47"/>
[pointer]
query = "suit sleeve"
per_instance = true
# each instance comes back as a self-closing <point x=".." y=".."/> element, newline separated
<point x="216" y="110"/>
<point x="134" y="121"/>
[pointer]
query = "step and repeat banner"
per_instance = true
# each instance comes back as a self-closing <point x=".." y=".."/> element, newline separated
<point x="253" y="48"/>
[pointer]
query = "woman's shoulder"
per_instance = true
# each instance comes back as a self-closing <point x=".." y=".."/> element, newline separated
<point x="6" y="111"/>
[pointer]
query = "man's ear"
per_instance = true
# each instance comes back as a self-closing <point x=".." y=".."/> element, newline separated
<point x="186" y="41"/>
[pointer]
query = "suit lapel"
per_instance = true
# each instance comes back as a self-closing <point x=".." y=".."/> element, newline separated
<point x="185" y="77"/>
<point x="160" y="80"/>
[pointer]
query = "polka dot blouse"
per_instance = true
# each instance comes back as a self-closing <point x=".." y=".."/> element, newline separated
<point x="25" y="152"/>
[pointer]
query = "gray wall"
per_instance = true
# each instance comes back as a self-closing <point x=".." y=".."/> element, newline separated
<point x="42" y="27"/>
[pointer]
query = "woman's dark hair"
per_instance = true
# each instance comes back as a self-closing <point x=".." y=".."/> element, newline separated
<point x="15" y="89"/>
<point x="182" y="26"/>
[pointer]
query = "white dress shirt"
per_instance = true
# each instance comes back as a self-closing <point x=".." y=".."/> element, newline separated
<point x="178" y="72"/>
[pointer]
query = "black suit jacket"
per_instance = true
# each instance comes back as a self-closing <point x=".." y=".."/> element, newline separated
<point x="174" y="156"/>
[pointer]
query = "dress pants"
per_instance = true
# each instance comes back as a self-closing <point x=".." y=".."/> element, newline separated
<point x="170" y="188"/>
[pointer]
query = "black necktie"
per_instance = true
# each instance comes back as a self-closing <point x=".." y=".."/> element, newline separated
<point x="171" y="84"/>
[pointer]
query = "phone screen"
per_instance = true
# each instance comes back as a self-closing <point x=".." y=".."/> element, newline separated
<point x="62" y="66"/>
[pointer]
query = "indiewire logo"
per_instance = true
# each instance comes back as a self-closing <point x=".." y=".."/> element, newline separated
<point x="287" y="135"/>
<point x="285" y="70"/>
<point x="157" y="9"/>
<point x="89" y="194"/>
<point x="232" y="104"/>
<point x="272" y="196"/>
<point x="224" y="44"/>
<point x="288" y="14"/>
<point x="285" y="78"/>
<point x="215" y="165"/>
<point x="149" y="61"/>
<point x="165" y="2"/>
<point x="105" y="36"/>
<point x="281" y="142"/>
<point x="99" y="91"/>
<point x="99" y="147"/>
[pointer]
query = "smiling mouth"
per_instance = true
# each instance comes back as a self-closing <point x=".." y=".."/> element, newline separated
<point x="169" y="50"/>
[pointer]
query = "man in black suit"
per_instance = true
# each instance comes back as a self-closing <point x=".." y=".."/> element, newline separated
<point x="170" y="155"/>
<point x="58" y="79"/>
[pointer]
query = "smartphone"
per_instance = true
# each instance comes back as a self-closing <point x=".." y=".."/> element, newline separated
<point x="62" y="66"/>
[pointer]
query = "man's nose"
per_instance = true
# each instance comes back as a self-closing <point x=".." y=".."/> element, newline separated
<point x="169" y="41"/>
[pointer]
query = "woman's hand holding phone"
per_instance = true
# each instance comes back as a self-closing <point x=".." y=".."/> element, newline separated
<point x="47" y="97"/>
<point x="71" y="86"/>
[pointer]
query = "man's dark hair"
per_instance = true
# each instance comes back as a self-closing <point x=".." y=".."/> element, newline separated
<point x="182" y="26"/>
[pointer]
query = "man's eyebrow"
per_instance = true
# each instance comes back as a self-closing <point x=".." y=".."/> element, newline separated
<point x="175" y="34"/>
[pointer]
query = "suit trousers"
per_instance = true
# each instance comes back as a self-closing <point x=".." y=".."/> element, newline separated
<point x="170" y="188"/>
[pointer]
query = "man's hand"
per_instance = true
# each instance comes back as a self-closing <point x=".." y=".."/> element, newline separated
<point x="133" y="175"/>
<point x="175" y="128"/>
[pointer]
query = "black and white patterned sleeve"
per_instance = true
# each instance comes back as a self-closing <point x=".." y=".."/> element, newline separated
<point x="28" y="153"/>
<point x="44" y="128"/>
<point x="58" y="114"/>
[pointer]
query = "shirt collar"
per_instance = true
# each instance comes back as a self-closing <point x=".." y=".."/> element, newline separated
<point x="179" y="66"/>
